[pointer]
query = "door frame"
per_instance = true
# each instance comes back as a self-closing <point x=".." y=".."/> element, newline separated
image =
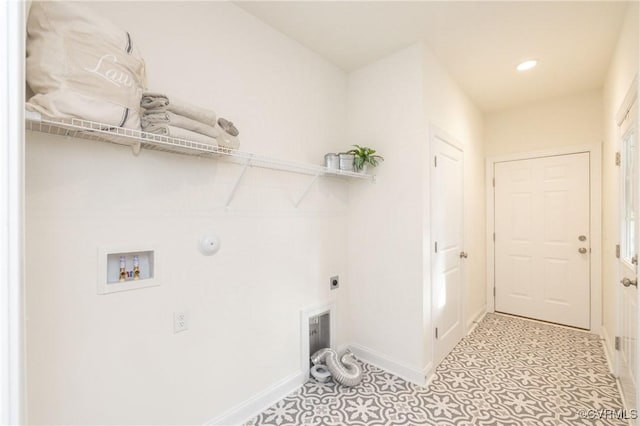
<point x="12" y="88"/>
<point x="437" y="133"/>
<point x="630" y="100"/>
<point x="595" y="220"/>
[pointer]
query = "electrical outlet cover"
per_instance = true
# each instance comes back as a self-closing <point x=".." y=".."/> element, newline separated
<point x="334" y="282"/>
<point x="180" y="321"/>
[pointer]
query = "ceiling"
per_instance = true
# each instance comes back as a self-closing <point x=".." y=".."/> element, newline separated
<point x="479" y="42"/>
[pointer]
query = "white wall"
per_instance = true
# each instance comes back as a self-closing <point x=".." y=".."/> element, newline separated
<point x="624" y="67"/>
<point x="559" y="122"/>
<point x="385" y="230"/>
<point x="392" y="104"/>
<point x="114" y="359"/>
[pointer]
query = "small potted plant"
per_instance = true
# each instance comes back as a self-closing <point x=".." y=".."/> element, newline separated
<point x="365" y="156"/>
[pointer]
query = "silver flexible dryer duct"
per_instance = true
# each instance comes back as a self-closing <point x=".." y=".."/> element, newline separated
<point x="345" y="371"/>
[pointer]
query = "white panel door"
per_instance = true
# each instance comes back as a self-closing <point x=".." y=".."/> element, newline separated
<point x="542" y="249"/>
<point x="628" y="361"/>
<point x="447" y="239"/>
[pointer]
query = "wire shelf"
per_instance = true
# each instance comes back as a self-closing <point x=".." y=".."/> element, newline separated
<point x="137" y="139"/>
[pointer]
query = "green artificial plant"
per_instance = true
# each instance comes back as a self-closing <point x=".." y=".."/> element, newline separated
<point x="364" y="155"/>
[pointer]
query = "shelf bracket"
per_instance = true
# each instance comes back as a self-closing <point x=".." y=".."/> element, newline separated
<point x="235" y="186"/>
<point x="306" y="190"/>
<point x="136" y="148"/>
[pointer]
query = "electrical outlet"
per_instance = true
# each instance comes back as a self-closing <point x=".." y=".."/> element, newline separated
<point x="180" y="321"/>
<point x="334" y="282"/>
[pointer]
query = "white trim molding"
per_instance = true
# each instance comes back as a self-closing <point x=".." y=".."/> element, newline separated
<point x="627" y="102"/>
<point x="608" y="345"/>
<point x="625" y="122"/>
<point x="12" y="87"/>
<point x="384" y="362"/>
<point x="474" y="319"/>
<point x="429" y="373"/>
<point x="595" y="176"/>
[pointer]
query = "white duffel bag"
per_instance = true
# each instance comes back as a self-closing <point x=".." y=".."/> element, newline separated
<point x="81" y="65"/>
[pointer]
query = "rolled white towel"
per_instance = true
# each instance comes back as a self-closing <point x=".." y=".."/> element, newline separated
<point x="193" y="112"/>
<point x="150" y="111"/>
<point x="165" y="129"/>
<point x="152" y="100"/>
<point x="193" y="125"/>
<point x="148" y="119"/>
<point x="228" y="134"/>
<point x="228" y="126"/>
<point x="228" y="141"/>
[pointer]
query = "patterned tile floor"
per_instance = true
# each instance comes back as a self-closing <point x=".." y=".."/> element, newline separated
<point x="509" y="371"/>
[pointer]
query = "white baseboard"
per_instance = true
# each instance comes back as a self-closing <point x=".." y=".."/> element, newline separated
<point x="607" y="343"/>
<point x="390" y="365"/>
<point x="428" y="372"/>
<point x="474" y="319"/>
<point x="253" y="406"/>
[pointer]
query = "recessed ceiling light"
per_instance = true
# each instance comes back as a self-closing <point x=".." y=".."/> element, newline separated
<point x="527" y="65"/>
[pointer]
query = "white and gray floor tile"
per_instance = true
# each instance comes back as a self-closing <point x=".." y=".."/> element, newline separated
<point x="509" y="371"/>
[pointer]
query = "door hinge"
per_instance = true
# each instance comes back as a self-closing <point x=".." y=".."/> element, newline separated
<point x="494" y="237"/>
<point x="494" y="291"/>
<point x="618" y="158"/>
<point x="494" y="182"/>
<point x="435" y="161"/>
<point x="618" y="344"/>
<point x="436" y="332"/>
<point x="436" y="246"/>
<point x="618" y="251"/>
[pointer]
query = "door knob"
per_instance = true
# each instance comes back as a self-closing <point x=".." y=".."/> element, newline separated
<point x="582" y="238"/>
<point x="627" y="282"/>
<point x="582" y="250"/>
<point x="463" y="255"/>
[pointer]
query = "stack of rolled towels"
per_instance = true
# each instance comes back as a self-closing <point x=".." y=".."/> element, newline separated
<point x="181" y="120"/>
